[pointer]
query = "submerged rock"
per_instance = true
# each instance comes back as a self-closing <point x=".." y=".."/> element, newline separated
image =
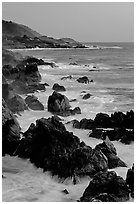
<point x="106" y="187"/>
<point x="33" y="103"/>
<point x="83" y="80"/>
<point x="58" y="88"/>
<point x="86" y="96"/>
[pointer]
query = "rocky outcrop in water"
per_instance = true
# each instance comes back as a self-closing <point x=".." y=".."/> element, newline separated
<point x="106" y="187"/>
<point x="10" y="131"/>
<point x="33" y="103"/>
<point x="50" y="146"/>
<point x="86" y="96"/>
<point x="59" y="104"/>
<point x="119" y="126"/>
<point x="109" y="151"/>
<point x="130" y="180"/>
<point x="58" y="88"/>
<point x="83" y="80"/>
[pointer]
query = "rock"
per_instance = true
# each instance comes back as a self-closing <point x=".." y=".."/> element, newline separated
<point x="33" y="103"/>
<point x="17" y="104"/>
<point x="109" y="151"/>
<point x="73" y="63"/>
<point x="91" y="80"/>
<point x="86" y="96"/>
<point x="30" y="60"/>
<point x="10" y="131"/>
<point x="58" y="88"/>
<point x="50" y="146"/>
<point x="65" y="191"/>
<point x="97" y="133"/>
<point x="83" y="80"/>
<point x="106" y="187"/>
<point x="119" y="134"/>
<point x="86" y="123"/>
<point x="102" y="120"/>
<point x="66" y="77"/>
<point x="130" y="180"/>
<point x="58" y="103"/>
<point x="73" y="100"/>
<point x="45" y="84"/>
<point x="76" y="110"/>
<point x="75" y="123"/>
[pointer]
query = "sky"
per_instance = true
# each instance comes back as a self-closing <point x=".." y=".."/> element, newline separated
<point x="83" y="21"/>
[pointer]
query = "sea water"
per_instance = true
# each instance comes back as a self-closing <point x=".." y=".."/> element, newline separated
<point x="111" y="67"/>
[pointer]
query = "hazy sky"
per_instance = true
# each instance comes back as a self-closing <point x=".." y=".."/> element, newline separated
<point x="83" y="21"/>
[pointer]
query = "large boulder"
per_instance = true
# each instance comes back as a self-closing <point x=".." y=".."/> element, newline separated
<point x="33" y="103"/>
<point x="10" y="131"/>
<point x="102" y="120"/>
<point x="130" y="180"/>
<point x="83" y="79"/>
<point x="58" y="88"/>
<point x="86" y="123"/>
<point x="106" y="187"/>
<point x="17" y="104"/>
<point x="109" y="151"/>
<point x="59" y="104"/>
<point x="50" y="146"/>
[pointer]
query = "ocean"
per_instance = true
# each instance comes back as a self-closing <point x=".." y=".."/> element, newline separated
<point x="111" y="67"/>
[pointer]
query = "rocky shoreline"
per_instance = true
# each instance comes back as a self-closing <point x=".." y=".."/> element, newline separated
<point x="51" y="147"/>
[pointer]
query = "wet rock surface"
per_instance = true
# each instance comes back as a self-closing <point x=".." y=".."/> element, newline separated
<point x="33" y="103"/>
<point x="59" y="104"/>
<point x="50" y="146"/>
<point x="10" y="131"/>
<point x="106" y="187"/>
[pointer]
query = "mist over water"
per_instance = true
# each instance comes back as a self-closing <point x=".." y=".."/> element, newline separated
<point x="112" y="90"/>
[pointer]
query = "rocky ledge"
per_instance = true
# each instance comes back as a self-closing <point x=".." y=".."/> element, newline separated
<point x="106" y="187"/>
<point x="119" y="126"/>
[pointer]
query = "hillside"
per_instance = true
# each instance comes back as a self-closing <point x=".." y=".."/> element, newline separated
<point x="20" y="36"/>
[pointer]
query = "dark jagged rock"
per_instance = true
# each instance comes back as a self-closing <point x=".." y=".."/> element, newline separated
<point x="59" y="104"/>
<point x="10" y="131"/>
<point x="102" y="120"/>
<point x="83" y="80"/>
<point x="30" y="60"/>
<point x="130" y="180"/>
<point x="51" y="147"/>
<point x="106" y="187"/>
<point x="86" y="96"/>
<point x="33" y="103"/>
<point x="75" y="124"/>
<point x="119" y="134"/>
<point x="109" y="151"/>
<point x="45" y="84"/>
<point x="17" y="104"/>
<point x="65" y="191"/>
<point x="86" y="123"/>
<point x="58" y="88"/>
